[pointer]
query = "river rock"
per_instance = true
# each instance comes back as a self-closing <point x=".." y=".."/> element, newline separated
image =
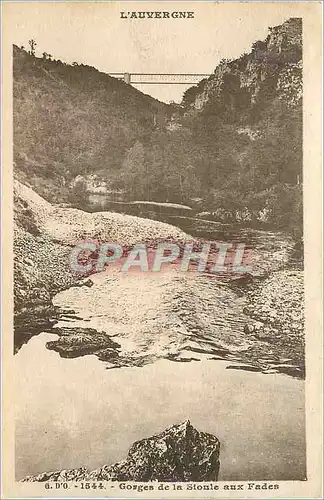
<point x="179" y="453"/>
<point x="77" y="341"/>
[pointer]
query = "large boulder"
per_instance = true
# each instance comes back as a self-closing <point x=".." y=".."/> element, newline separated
<point x="179" y="453"/>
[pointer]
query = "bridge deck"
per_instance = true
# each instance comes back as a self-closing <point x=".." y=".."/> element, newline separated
<point x="160" y="78"/>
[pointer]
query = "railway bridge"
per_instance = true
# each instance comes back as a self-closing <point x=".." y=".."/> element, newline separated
<point x="160" y="78"/>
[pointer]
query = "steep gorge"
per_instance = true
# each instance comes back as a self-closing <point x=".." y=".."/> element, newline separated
<point x="234" y="144"/>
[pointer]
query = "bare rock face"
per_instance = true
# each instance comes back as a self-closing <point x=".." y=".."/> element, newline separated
<point x="278" y="57"/>
<point x="179" y="453"/>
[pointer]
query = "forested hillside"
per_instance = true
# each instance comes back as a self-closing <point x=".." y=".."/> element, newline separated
<point x="234" y="143"/>
<point x="73" y="119"/>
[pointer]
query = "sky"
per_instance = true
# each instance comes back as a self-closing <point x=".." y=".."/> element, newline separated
<point x="93" y="33"/>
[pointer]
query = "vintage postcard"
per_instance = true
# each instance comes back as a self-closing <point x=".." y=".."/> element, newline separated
<point x="162" y="249"/>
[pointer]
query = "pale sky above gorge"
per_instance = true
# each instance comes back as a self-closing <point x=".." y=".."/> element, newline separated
<point x="93" y="33"/>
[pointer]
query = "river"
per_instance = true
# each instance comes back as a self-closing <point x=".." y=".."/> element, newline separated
<point x="76" y="412"/>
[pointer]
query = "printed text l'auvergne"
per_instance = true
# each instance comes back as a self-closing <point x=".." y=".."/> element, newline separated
<point x="157" y="15"/>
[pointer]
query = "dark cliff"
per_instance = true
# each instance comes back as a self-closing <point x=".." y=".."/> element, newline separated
<point x="247" y="120"/>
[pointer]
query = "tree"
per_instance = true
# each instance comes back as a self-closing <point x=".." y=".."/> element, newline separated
<point x="32" y="45"/>
<point x="79" y="192"/>
<point x="259" y="45"/>
<point x="47" y="57"/>
<point x="133" y="171"/>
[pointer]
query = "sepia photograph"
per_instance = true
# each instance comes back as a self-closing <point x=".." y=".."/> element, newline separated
<point x="158" y="195"/>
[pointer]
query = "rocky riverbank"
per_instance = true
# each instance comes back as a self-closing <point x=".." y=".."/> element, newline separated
<point x="179" y="453"/>
<point x="255" y="322"/>
<point x="44" y="236"/>
<point x="276" y="309"/>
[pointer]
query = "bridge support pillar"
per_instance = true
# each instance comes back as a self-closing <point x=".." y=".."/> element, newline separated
<point x="127" y="78"/>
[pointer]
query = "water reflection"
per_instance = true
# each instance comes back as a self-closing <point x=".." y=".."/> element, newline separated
<point x="74" y="412"/>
